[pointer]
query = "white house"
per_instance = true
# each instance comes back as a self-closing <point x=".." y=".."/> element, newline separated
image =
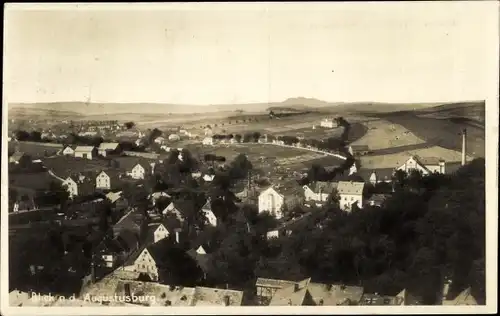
<point x="159" y="140"/>
<point x="107" y="148"/>
<point x="208" y="177"/>
<point x="171" y="209"/>
<point x="104" y="180"/>
<point x="426" y="165"/>
<point x="328" y="123"/>
<point x="208" y="131"/>
<point x="209" y="215"/>
<point x="87" y="152"/>
<point x="208" y="141"/>
<point x="275" y="198"/>
<point x="319" y="191"/>
<point x="174" y="137"/>
<point x="138" y="172"/>
<point x="350" y="193"/>
<point x="158" y="232"/>
<point x="71" y="186"/>
<point x="146" y="263"/>
<point x="68" y="151"/>
<point x="165" y="148"/>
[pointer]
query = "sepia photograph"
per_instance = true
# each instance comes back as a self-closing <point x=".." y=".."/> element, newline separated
<point x="251" y="158"/>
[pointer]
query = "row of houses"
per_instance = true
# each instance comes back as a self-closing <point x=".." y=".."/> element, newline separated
<point x="288" y="195"/>
<point x="91" y="152"/>
<point x="273" y="292"/>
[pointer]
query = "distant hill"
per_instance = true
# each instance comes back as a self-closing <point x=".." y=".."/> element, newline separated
<point x="83" y="110"/>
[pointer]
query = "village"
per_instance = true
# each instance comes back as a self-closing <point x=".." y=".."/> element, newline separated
<point x="149" y="203"/>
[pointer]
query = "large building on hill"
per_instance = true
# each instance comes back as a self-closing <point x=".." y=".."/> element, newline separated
<point x="328" y="123"/>
<point x="279" y="197"/>
<point x="351" y="193"/>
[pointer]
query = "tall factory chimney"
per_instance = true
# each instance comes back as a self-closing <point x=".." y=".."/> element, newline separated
<point x="464" y="146"/>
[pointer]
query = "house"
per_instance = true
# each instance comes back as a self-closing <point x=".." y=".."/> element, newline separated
<point x="172" y="209"/>
<point x="132" y="222"/>
<point x="358" y="150"/>
<point x="380" y="175"/>
<point x="208" y="141"/>
<point x="319" y="191"/>
<point x="286" y="229"/>
<point x="208" y="177"/>
<point x="266" y="288"/>
<point x="70" y="183"/>
<point x="117" y="200"/>
<point x="165" y="148"/>
<point x="209" y="215"/>
<point x="69" y="150"/>
<point x="426" y="165"/>
<point x="138" y="171"/>
<point x="294" y="295"/>
<point x="452" y="297"/>
<point x="157" y="232"/>
<point x="377" y="199"/>
<point x="159" y="140"/>
<point x="155" y="196"/>
<point x="88" y="152"/>
<point x="106" y="180"/>
<point x="263" y="139"/>
<point x="204" y="296"/>
<point x="174" y="137"/>
<point x="328" y="123"/>
<point x="350" y="193"/>
<point x="333" y="294"/>
<point x="20" y="158"/>
<point x="278" y="198"/>
<point x="208" y="131"/>
<point x="164" y="262"/>
<point x="106" y="149"/>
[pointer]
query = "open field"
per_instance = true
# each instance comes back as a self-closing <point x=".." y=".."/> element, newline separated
<point x="36" y="150"/>
<point x="63" y="166"/>
<point x="442" y="133"/>
<point x="268" y="155"/>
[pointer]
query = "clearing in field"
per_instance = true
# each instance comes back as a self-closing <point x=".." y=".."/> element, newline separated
<point x="384" y="134"/>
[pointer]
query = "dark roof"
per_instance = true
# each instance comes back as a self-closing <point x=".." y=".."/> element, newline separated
<point x="128" y="240"/>
<point x="325" y="187"/>
<point x="202" y="260"/>
<point x="127" y="163"/>
<point x="428" y="161"/>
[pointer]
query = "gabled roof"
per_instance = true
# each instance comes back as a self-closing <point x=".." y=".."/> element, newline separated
<point x="287" y="189"/>
<point x="428" y="161"/>
<point x="334" y="294"/>
<point x="205" y="296"/>
<point x="292" y="295"/>
<point x="464" y="298"/>
<point x="16" y="156"/>
<point x="108" y="146"/>
<point x="128" y="240"/>
<point x="114" y="196"/>
<point x="84" y="148"/>
<point x="350" y="187"/>
<point x="201" y="259"/>
<point x="323" y="186"/>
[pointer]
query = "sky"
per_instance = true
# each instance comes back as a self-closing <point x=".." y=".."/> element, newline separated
<point x="246" y="53"/>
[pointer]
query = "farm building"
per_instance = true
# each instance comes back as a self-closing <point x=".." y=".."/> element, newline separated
<point x="88" y="152"/>
<point x="69" y="150"/>
<point x="426" y="165"/>
<point x="174" y="137"/>
<point x="328" y="123"/>
<point x="106" y="149"/>
<point x="208" y="141"/>
<point x="350" y="193"/>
